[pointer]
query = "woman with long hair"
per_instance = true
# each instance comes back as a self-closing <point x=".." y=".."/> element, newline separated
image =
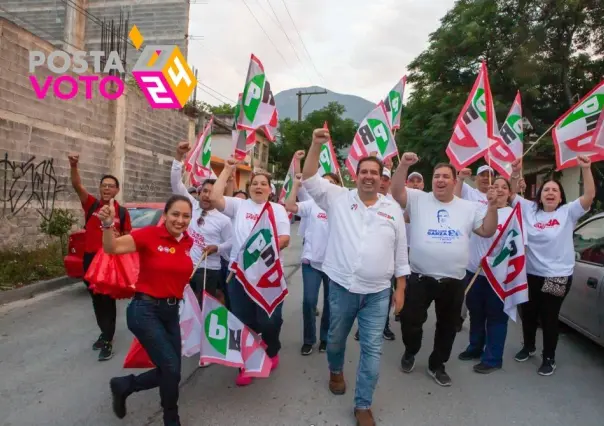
<point x="488" y="321"/>
<point x="550" y="258"/>
<point x="244" y="214"/>
<point x="152" y="315"/>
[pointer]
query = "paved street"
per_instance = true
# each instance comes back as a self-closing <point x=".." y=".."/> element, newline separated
<point x="50" y="376"/>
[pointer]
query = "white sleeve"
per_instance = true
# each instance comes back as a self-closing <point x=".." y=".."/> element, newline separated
<point x="305" y="208"/>
<point x="303" y="194"/>
<point x="401" y="260"/>
<point x="413" y="196"/>
<point x="480" y="212"/>
<point x="224" y="248"/>
<point x="281" y="220"/>
<point x="467" y="191"/>
<point x="176" y="182"/>
<point x="231" y="206"/>
<point x="322" y="191"/>
<point x="524" y="203"/>
<point x="575" y="210"/>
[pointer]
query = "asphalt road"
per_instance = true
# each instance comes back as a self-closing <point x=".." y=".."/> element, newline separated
<point x="50" y="376"/>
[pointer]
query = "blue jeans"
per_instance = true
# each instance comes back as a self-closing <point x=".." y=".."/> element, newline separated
<point x="156" y="325"/>
<point x="488" y="322"/>
<point x="370" y="311"/>
<point x="312" y="278"/>
<point x="256" y="318"/>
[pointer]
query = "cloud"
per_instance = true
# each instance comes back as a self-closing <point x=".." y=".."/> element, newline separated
<point x="359" y="47"/>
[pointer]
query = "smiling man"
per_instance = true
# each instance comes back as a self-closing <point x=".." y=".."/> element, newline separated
<point x="365" y="248"/>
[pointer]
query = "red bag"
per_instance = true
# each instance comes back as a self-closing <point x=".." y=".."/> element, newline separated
<point x="114" y="275"/>
<point x="137" y="357"/>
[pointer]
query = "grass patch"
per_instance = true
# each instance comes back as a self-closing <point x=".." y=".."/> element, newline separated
<point x="19" y="267"/>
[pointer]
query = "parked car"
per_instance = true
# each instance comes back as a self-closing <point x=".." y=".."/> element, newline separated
<point x="141" y="214"/>
<point x="583" y="308"/>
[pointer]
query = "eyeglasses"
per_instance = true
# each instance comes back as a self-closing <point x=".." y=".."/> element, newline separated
<point x="108" y="185"/>
<point x="200" y="221"/>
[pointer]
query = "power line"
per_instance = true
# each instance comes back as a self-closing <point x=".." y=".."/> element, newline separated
<point x="303" y="44"/>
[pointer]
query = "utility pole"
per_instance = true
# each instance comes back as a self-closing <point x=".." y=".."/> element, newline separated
<point x="300" y="94"/>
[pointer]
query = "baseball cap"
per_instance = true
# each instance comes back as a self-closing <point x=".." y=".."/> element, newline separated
<point x="483" y="169"/>
<point x="386" y="173"/>
<point x="192" y="190"/>
<point x="415" y="174"/>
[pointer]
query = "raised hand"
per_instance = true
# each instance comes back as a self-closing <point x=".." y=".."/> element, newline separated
<point x="465" y="174"/>
<point x="300" y="154"/>
<point x="107" y="213"/>
<point x="584" y="161"/>
<point x="517" y="166"/>
<point x="409" y="158"/>
<point x="73" y="159"/>
<point x="320" y="136"/>
<point x="181" y="149"/>
<point x="492" y="196"/>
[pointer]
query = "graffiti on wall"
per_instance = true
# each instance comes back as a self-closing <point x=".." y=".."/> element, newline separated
<point x="28" y="184"/>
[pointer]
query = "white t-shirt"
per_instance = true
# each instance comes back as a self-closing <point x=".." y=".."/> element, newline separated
<point x="440" y="234"/>
<point x="317" y="231"/>
<point x="303" y="196"/>
<point x="390" y="197"/>
<point x="550" y="248"/>
<point x="473" y="194"/>
<point x="244" y="214"/>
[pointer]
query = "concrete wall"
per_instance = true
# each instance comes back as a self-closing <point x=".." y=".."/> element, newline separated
<point x="124" y="137"/>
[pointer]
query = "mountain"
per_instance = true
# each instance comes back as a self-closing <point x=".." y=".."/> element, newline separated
<point x="287" y="103"/>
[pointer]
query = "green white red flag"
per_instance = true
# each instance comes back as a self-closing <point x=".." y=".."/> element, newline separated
<point x="198" y="162"/>
<point x="258" y="110"/>
<point x="226" y="340"/>
<point x="574" y="131"/>
<point x="506" y="144"/>
<point x="243" y="140"/>
<point x="373" y="134"/>
<point x="598" y="139"/>
<point x="288" y="184"/>
<point x="394" y="103"/>
<point x="191" y="324"/>
<point x="258" y="266"/>
<point x="328" y="161"/>
<point x="505" y="263"/>
<point x="470" y="138"/>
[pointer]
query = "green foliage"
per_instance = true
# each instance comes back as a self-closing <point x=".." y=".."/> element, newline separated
<point x="296" y="135"/>
<point x="224" y="109"/>
<point x="59" y="225"/>
<point x="19" y="267"/>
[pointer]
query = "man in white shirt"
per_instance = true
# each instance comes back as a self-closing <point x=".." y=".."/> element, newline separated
<point x="415" y="180"/>
<point x="366" y="246"/>
<point x="441" y="225"/>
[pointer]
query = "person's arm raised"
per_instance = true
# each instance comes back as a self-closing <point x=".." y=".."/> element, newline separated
<point x="589" y="185"/>
<point x="461" y="177"/>
<point x="178" y="187"/>
<point x="311" y="165"/>
<point x="489" y="223"/>
<point x="111" y="244"/>
<point x="217" y="197"/>
<point x="290" y="202"/>
<point x="399" y="180"/>
<point x="76" y="180"/>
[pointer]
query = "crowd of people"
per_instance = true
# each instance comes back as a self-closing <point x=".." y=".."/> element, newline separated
<point x="387" y="243"/>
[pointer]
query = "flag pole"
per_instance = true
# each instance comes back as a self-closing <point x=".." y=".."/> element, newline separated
<point x="205" y="272"/>
<point x="204" y="256"/>
<point x="472" y="281"/>
<point x="537" y="141"/>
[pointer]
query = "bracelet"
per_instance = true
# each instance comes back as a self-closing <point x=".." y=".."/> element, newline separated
<point x="104" y="226"/>
<point x="515" y="176"/>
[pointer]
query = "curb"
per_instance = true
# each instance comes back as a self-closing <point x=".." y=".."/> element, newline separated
<point x="31" y="290"/>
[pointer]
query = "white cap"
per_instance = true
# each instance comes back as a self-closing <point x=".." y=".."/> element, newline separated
<point x="273" y="189"/>
<point x="387" y="173"/>
<point x="483" y="169"/>
<point x="415" y="174"/>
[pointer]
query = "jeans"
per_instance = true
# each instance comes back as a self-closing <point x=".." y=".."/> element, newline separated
<point x="370" y="311"/>
<point x="448" y="296"/>
<point x="544" y="308"/>
<point x="156" y="325"/>
<point x="312" y="278"/>
<point x="104" y="306"/>
<point x="488" y="322"/>
<point x="256" y="318"/>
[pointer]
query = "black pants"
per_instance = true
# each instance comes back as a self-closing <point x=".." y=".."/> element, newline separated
<point x="448" y="296"/>
<point x="103" y="305"/>
<point x="213" y="279"/>
<point x="543" y="308"/>
<point x="392" y="289"/>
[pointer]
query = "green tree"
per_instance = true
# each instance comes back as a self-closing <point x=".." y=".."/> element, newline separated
<point x="296" y="135"/>
<point x="224" y="109"/>
<point x="59" y="225"/>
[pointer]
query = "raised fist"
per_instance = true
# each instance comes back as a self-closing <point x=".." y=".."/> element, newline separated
<point x="409" y="158"/>
<point x="300" y="154"/>
<point x="465" y="174"/>
<point x="73" y="159"/>
<point x="107" y="213"/>
<point x="320" y="136"/>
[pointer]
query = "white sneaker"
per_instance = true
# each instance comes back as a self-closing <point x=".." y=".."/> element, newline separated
<point x="204" y="364"/>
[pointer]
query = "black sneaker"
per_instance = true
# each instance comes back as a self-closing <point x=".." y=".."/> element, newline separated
<point x="440" y="376"/>
<point x="106" y="351"/>
<point x="469" y="355"/>
<point x="97" y="346"/>
<point x="388" y="334"/>
<point x="306" y="349"/>
<point x="356" y="336"/>
<point x="407" y="363"/>
<point x="483" y="368"/>
<point x="323" y="346"/>
<point x="524" y="354"/>
<point x="548" y="366"/>
<point x="118" y="395"/>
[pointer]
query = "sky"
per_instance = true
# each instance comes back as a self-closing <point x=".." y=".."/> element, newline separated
<point x="358" y="47"/>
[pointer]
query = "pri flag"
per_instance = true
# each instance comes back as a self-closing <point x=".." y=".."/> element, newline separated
<point x="258" y="110"/>
<point x="574" y="132"/>
<point x="328" y="162"/>
<point x="226" y="340"/>
<point x="505" y="264"/>
<point x="191" y="324"/>
<point x="373" y="135"/>
<point x="470" y="138"/>
<point x="198" y="162"/>
<point x="258" y="267"/>
<point x="243" y="140"/>
<point x="506" y="144"/>
<point x="598" y="140"/>
<point x="394" y="103"/>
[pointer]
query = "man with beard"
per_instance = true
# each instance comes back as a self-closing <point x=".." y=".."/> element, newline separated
<point x="366" y="246"/>
<point x="441" y="226"/>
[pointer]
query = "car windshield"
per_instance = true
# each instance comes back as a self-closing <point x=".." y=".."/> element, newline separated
<point x="141" y="217"/>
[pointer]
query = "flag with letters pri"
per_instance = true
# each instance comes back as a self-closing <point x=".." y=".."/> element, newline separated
<point x="505" y="264"/>
<point x="226" y="340"/>
<point x="394" y="103"/>
<point x="373" y="134"/>
<point x="198" y="162"/>
<point x="574" y="132"/>
<point x="288" y="184"/>
<point x="328" y="162"/>
<point x="258" y="267"/>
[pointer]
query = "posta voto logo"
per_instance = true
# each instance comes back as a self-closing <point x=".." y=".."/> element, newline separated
<point x="161" y="72"/>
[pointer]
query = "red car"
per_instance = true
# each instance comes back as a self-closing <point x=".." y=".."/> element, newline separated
<point x="141" y="214"/>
